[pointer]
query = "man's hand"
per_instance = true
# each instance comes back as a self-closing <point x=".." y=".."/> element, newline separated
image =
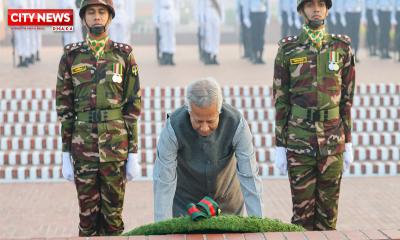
<point x="67" y="168"/>
<point x="132" y="167"/>
<point x="347" y="156"/>
<point x="281" y="159"/>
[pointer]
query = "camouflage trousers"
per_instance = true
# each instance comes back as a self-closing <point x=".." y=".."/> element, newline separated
<point x="315" y="185"/>
<point x="101" y="189"/>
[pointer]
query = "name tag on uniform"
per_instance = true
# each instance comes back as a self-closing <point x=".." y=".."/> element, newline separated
<point x="78" y="69"/>
<point x="296" y="61"/>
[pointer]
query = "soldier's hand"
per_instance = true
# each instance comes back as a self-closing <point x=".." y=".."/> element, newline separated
<point x="376" y="20"/>
<point x="347" y="156"/>
<point x="67" y="168"/>
<point x="393" y="22"/>
<point x="132" y="167"/>
<point x="343" y="21"/>
<point x="290" y="21"/>
<point x="247" y="22"/>
<point x="281" y="159"/>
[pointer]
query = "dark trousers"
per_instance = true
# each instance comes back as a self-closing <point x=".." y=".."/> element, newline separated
<point x="398" y="32"/>
<point x="257" y="31"/>
<point x="384" y="37"/>
<point x="245" y="36"/>
<point x="294" y="30"/>
<point x="372" y="33"/>
<point x="353" y="20"/>
<point x="339" y="28"/>
<point x="331" y="26"/>
<point x="285" y="29"/>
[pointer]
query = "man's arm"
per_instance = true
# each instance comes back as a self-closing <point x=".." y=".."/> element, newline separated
<point x="164" y="173"/>
<point x="247" y="170"/>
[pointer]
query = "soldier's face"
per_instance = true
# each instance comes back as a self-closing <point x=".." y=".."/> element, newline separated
<point x="96" y="15"/>
<point x="315" y="10"/>
<point x="204" y="119"/>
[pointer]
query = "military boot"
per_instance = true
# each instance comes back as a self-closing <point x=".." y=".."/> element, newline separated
<point x="37" y="57"/>
<point x="22" y="62"/>
<point x="214" y="60"/>
<point x="164" y="59"/>
<point x="171" y="59"/>
<point x="207" y="58"/>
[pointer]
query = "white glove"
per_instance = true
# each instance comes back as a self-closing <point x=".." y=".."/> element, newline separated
<point x="132" y="167"/>
<point x="247" y="22"/>
<point x="376" y="20"/>
<point x="297" y="23"/>
<point x="343" y="21"/>
<point x="363" y="21"/>
<point x="290" y="21"/>
<point x="281" y="159"/>
<point x="333" y="19"/>
<point x="67" y="168"/>
<point x="347" y="156"/>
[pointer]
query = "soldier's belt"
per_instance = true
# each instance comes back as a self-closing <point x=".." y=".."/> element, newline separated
<point x="99" y="115"/>
<point x="315" y="115"/>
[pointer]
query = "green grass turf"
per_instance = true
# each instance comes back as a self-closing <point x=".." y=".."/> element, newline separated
<point x="220" y="224"/>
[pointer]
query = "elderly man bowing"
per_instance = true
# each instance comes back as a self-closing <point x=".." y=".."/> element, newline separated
<point x="205" y="149"/>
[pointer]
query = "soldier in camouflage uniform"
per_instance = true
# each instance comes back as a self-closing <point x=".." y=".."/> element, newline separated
<point x="314" y="80"/>
<point x="98" y="103"/>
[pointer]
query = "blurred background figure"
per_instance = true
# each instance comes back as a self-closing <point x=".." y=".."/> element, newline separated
<point x="257" y="11"/>
<point x="124" y="18"/>
<point x="76" y="35"/>
<point x="397" y="23"/>
<point x="244" y="31"/>
<point x="211" y="16"/>
<point x="386" y="19"/>
<point x="165" y="16"/>
<point x="372" y="22"/>
<point x="354" y="11"/>
<point x="285" y="17"/>
<point x="21" y="37"/>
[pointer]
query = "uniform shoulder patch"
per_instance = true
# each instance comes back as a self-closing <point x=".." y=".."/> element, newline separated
<point x="125" y="48"/>
<point x="72" y="46"/>
<point x="342" y="37"/>
<point x="287" y="40"/>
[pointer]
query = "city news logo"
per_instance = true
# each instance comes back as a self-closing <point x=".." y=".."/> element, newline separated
<point x="57" y="19"/>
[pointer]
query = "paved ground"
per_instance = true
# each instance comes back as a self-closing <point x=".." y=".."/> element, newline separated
<point x="50" y="209"/>
<point x="232" y="71"/>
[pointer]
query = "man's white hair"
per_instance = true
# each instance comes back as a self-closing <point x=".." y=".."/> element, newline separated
<point x="204" y="93"/>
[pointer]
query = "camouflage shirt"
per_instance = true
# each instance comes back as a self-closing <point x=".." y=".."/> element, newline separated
<point x="85" y="84"/>
<point x="314" y="80"/>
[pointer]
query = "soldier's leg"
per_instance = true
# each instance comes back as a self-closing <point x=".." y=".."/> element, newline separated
<point x="302" y="176"/>
<point x="112" y="188"/>
<point x="328" y="187"/>
<point x="88" y="196"/>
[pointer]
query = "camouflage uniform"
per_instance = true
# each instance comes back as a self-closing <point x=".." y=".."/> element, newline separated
<point x="98" y="103"/>
<point x="313" y="92"/>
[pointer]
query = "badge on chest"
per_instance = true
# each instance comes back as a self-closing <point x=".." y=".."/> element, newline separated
<point x="333" y="61"/>
<point x="117" y="73"/>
